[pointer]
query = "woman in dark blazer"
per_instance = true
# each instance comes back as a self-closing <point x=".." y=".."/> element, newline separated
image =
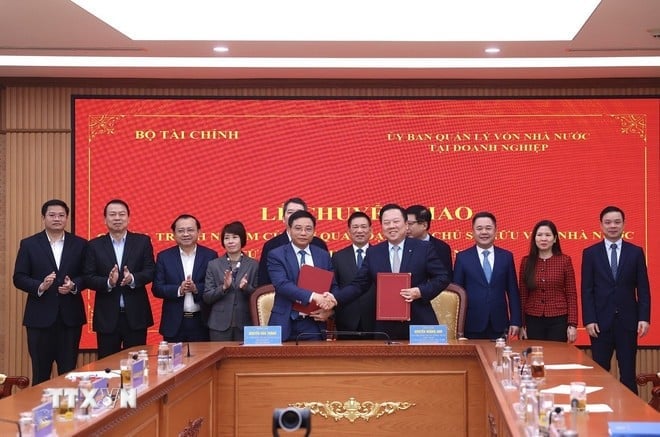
<point x="230" y="279"/>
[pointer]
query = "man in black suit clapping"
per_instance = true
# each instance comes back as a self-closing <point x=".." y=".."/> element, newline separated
<point x="118" y="267"/>
<point x="49" y="268"/>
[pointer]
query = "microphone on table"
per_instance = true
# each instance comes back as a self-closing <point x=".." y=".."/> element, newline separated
<point x="556" y="410"/>
<point x="382" y="334"/>
<point x="524" y="354"/>
<point x="188" y="354"/>
<point x="121" y="380"/>
<point x="307" y="334"/>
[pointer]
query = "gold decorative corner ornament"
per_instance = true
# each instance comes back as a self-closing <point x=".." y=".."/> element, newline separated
<point x="632" y="124"/>
<point x="102" y="124"/>
<point x="352" y="409"/>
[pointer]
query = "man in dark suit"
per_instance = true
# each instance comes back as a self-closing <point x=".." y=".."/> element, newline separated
<point x="419" y="224"/>
<point x="284" y="264"/>
<point x="488" y="275"/>
<point x="179" y="281"/>
<point x="359" y="315"/>
<point x="400" y="254"/>
<point x="290" y="206"/>
<point x="49" y="268"/>
<point x="118" y="267"/>
<point x="616" y="297"/>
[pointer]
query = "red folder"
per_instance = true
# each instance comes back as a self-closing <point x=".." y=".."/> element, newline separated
<point x="390" y="305"/>
<point x="313" y="279"/>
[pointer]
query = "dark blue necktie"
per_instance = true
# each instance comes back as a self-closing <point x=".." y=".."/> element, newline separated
<point x="614" y="265"/>
<point x="359" y="258"/>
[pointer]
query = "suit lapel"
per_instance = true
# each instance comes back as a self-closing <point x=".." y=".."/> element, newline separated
<point x="176" y="260"/>
<point x="316" y="256"/>
<point x="292" y="261"/>
<point x="45" y="245"/>
<point x="498" y="263"/>
<point x="605" y="261"/>
<point x="66" y="250"/>
<point x="351" y="262"/>
<point x="106" y="242"/>
<point x="478" y="263"/>
<point x="128" y="250"/>
<point x="241" y="271"/>
<point x="406" y="254"/>
<point x="383" y="250"/>
<point x="623" y="258"/>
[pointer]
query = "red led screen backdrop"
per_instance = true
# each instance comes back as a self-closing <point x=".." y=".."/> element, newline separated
<point x="224" y="160"/>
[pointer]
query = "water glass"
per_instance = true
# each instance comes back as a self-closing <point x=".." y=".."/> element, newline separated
<point x="537" y="363"/>
<point x="126" y="371"/>
<point x="579" y="395"/>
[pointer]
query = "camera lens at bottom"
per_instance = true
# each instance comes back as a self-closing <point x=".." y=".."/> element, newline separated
<point x="290" y="419"/>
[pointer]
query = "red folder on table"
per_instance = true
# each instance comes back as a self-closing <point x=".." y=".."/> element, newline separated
<point x="313" y="279"/>
<point x="390" y="305"/>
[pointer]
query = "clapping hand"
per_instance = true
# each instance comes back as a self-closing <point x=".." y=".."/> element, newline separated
<point x="188" y="285"/>
<point x="128" y="277"/>
<point x="244" y="281"/>
<point x="67" y="286"/>
<point x="47" y="282"/>
<point x="227" y="280"/>
<point x="113" y="277"/>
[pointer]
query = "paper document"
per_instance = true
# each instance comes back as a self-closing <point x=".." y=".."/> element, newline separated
<point x="591" y="408"/>
<point x="566" y="366"/>
<point x="93" y="374"/>
<point x="565" y="389"/>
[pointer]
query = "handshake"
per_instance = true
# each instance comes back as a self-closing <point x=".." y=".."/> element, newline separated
<point x="325" y="301"/>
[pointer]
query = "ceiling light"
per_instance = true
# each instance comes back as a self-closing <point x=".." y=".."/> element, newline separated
<point x="220" y="49"/>
<point x="492" y="50"/>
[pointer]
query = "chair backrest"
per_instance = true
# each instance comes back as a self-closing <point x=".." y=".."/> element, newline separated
<point x="450" y="307"/>
<point x="11" y="382"/>
<point x="261" y="303"/>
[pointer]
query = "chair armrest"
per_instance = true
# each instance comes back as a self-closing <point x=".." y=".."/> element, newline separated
<point x="645" y="378"/>
<point x="11" y="382"/>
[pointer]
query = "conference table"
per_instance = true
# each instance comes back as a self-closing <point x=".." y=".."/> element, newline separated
<point x="359" y="388"/>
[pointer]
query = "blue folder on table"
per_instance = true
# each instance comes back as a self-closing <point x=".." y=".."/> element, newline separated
<point x="634" y="429"/>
